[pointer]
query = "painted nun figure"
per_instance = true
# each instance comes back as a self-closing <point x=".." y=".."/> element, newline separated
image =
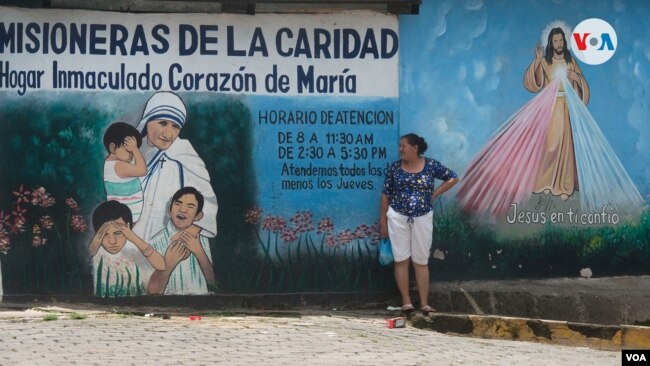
<point x="172" y="163"/>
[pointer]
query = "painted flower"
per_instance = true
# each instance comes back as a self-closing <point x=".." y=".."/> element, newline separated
<point x="274" y="223"/>
<point x="72" y="204"/>
<point x="42" y="198"/>
<point x="325" y="226"/>
<point x="362" y="231"/>
<point x="37" y="241"/>
<point x="46" y="222"/>
<point x="253" y="215"/>
<point x="19" y="212"/>
<point x="302" y="221"/>
<point x="19" y="225"/>
<point x="288" y="235"/>
<point x="5" y="219"/>
<point x="79" y="223"/>
<point x="36" y="230"/>
<point x="21" y="195"/>
<point x="4" y="241"/>
<point x="331" y="241"/>
<point x="345" y="236"/>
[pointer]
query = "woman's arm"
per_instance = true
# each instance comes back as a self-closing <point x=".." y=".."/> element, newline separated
<point x="383" y="220"/>
<point x="388" y="190"/>
<point x="444" y="187"/>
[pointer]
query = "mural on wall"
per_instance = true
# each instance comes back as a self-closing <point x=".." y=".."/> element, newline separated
<point x="203" y="154"/>
<point x="552" y="145"/>
<point x="289" y="124"/>
<point x="562" y="185"/>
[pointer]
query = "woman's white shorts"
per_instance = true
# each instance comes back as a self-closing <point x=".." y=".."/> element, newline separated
<point x="410" y="239"/>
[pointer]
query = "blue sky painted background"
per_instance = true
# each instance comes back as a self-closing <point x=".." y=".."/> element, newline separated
<point x="462" y="67"/>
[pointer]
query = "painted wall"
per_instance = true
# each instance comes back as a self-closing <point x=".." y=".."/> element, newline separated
<point x="541" y="194"/>
<point x="282" y="125"/>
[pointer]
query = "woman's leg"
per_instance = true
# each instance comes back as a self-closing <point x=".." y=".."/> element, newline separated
<point x="422" y="281"/>
<point x="402" y="280"/>
<point x="399" y="232"/>
<point x="422" y="235"/>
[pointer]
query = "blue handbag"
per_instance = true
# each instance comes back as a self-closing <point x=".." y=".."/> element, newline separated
<point x="385" y="252"/>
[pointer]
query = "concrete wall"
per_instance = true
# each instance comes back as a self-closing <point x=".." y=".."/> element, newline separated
<point x="297" y="171"/>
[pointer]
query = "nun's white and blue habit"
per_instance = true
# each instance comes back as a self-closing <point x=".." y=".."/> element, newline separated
<point x="171" y="169"/>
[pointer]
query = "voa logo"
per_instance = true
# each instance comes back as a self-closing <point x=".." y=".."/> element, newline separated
<point x="594" y="41"/>
<point x="635" y="357"/>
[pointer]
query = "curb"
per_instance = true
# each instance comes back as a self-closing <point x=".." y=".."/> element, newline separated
<point x="604" y="337"/>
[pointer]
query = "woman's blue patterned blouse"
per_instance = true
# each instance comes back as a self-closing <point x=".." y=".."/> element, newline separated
<point x="410" y="194"/>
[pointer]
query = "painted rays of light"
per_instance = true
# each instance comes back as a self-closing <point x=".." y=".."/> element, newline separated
<point x="603" y="179"/>
<point x="503" y="172"/>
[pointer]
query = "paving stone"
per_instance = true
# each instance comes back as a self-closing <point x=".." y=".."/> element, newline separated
<point x="309" y="339"/>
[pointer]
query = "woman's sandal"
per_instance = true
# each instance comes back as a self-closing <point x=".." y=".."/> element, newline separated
<point x="407" y="309"/>
<point x="426" y="310"/>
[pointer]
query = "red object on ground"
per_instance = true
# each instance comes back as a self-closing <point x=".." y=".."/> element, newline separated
<point x="195" y="317"/>
<point x="399" y="322"/>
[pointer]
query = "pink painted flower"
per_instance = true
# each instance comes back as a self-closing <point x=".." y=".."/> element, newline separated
<point x="362" y="231"/>
<point x="37" y="241"/>
<point x="253" y="215"/>
<point x="274" y="223"/>
<point x="345" y="236"/>
<point x="19" y="212"/>
<point x="21" y="195"/>
<point x="19" y="220"/>
<point x="72" y="204"/>
<point x="19" y="225"/>
<point x="42" y="198"/>
<point x="79" y="223"/>
<point x="46" y="222"/>
<point x="302" y="221"/>
<point x="331" y="241"/>
<point x="325" y="226"/>
<point x="5" y="219"/>
<point x="4" y="241"/>
<point x="288" y="235"/>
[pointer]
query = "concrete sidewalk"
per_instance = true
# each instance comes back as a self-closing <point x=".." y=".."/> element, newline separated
<point x="63" y="336"/>
<point x="602" y="313"/>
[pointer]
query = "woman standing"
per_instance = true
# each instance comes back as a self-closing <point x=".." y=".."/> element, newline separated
<point x="407" y="214"/>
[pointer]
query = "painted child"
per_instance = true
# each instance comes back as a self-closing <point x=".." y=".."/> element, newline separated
<point x="122" y="261"/>
<point x="188" y="268"/>
<point x="123" y="166"/>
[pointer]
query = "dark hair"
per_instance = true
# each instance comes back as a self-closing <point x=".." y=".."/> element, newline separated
<point x="117" y="132"/>
<point x="188" y="190"/>
<point x="109" y="211"/>
<point x="413" y="140"/>
<point x="549" y="46"/>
